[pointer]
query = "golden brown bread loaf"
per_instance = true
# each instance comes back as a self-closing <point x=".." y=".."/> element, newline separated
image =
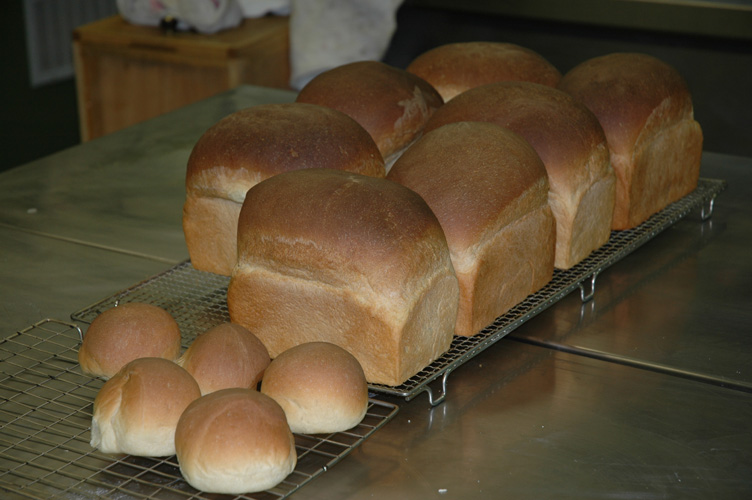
<point x="645" y="109"/>
<point x="224" y="357"/>
<point x="129" y="331"/>
<point x="234" y="441"/>
<point x="571" y="143"/>
<point x="489" y="190"/>
<point x="251" y="145"/>
<point x="390" y="103"/>
<point x="320" y="386"/>
<point x="137" y="410"/>
<point x="361" y="262"/>
<point x="456" y="67"/>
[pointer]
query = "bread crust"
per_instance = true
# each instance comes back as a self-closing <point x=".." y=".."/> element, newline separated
<point x="392" y="104"/>
<point x="137" y="410"/>
<point x="333" y="256"/>
<point x="320" y="386"/>
<point x="646" y="111"/>
<point x="253" y="144"/>
<point x="226" y="356"/>
<point x="456" y="67"/>
<point x="569" y="139"/>
<point x="234" y="441"/>
<point x="129" y="331"/>
<point x="489" y="190"/>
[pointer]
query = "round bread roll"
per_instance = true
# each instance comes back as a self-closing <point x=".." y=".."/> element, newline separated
<point x="226" y="356"/>
<point x="234" y="441"/>
<point x="251" y="145"/>
<point x="127" y="332"/>
<point x="456" y="67"/>
<point x="390" y="103"/>
<point x="320" y="386"/>
<point x="137" y="410"/>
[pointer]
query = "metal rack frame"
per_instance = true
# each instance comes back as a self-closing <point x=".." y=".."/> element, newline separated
<point x="197" y="299"/>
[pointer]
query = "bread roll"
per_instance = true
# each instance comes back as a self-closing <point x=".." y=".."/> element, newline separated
<point x="321" y="387"/>
<point x="137" y="410"/>
<point x="456" y="67"/>
<point x="127" y="332"/>
<point x="234" y="441"/>
<point x="645" y="109"/>
<point x="251" y="145"/>
<point x="226" y="356"/>
<point x="572" y="145"/>
<point x="489" y="190"/>
<point x="353" y="260"/>
<point x="390" y="103"/>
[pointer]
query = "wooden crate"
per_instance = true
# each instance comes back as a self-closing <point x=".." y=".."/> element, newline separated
<point x="126" y="73"/>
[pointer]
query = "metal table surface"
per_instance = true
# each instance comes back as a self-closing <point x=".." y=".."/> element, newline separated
<point x="124" y="191"/>
<point x="680" y="304"/>
<point x="643" y="392"/>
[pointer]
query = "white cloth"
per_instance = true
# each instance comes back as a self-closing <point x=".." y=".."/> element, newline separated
<point x="146" y="12"/>
<point x="325" y="34"/>
<point x="260" y="8"/>
<point x="210" y="16"/>
<point x="204" y="16"/>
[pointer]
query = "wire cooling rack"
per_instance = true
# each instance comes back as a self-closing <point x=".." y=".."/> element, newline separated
<point x="45" y="419"/>
<point x="197" y="299"/>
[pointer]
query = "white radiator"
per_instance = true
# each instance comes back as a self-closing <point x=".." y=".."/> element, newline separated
<point x="49" y="34"/>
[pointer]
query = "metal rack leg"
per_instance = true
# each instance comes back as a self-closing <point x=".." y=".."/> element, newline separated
<point x="587" y="288"/>
<point x="706" y="211"/>
<point x="435" y="400"/>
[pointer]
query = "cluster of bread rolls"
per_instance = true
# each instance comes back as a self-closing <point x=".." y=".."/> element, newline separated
<point x="224" y="408"/>
<point x="482" y="169"/>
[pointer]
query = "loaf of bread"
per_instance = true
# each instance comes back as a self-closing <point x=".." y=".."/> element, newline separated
<point x="456" y="67"/>
<point x="224" y="357"/>
<point x="390" y="103"/>
<point x="234" y="441"/>
<point x="489" y="190"/>
<point x="137" y="410"/>
<point x="129" y="331"/>
<point x="361" y="262"/>
<point x="571" y="143"/>
<point x="645" y="109"/>
<point x="320" y="386"/>
<point x="251" y="145"/>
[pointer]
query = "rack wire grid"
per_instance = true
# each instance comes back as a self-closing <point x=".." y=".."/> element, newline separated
<point x="197" y="299"/>
<point x="45" y="420"/>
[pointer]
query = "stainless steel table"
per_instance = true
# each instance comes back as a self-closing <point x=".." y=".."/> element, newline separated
<point x="643" y="392"/>
<point x="681" y="304"/>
